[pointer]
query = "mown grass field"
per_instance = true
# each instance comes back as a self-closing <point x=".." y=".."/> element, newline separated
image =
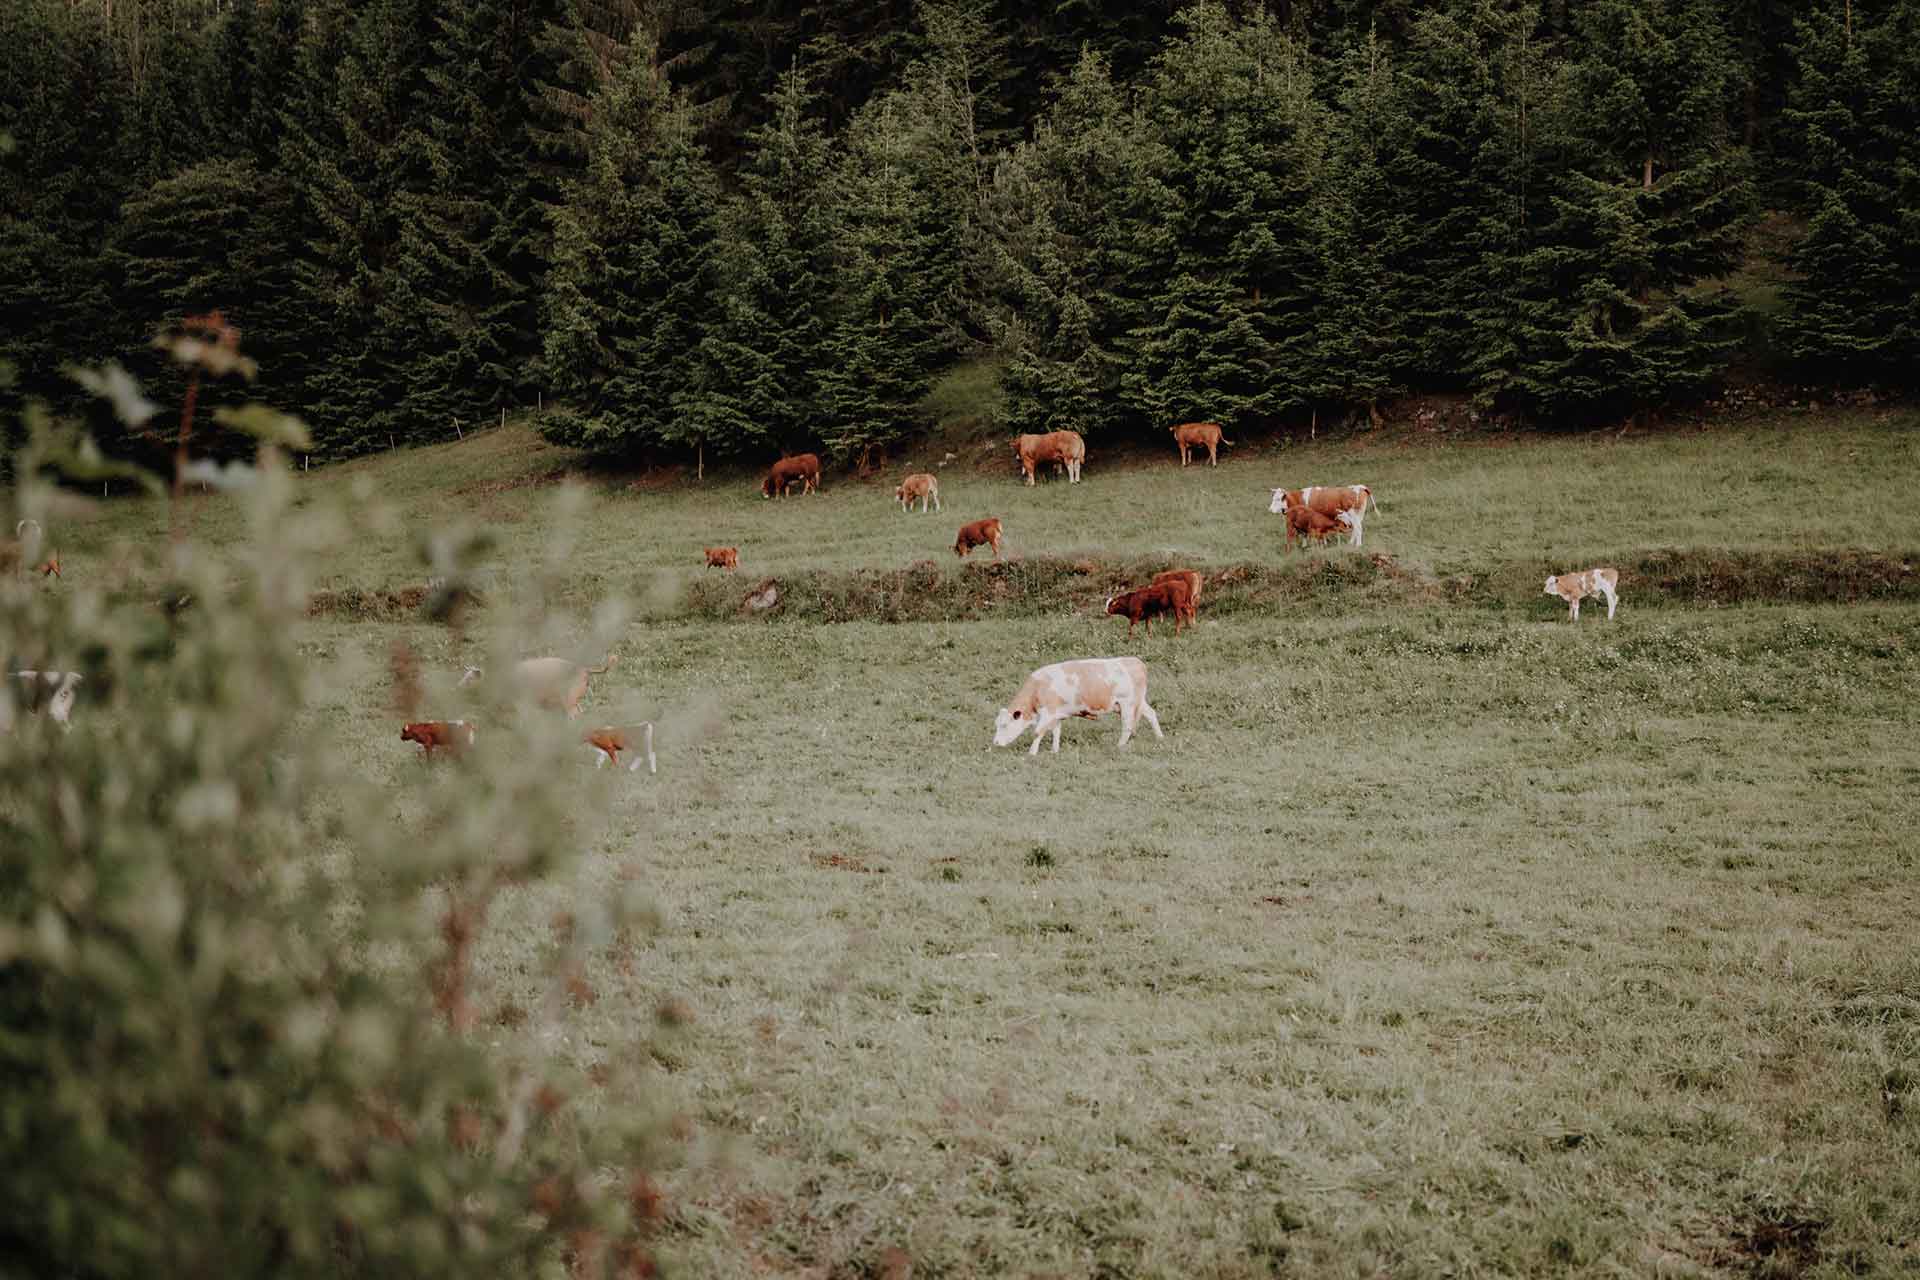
<point x="1438" y="937"/>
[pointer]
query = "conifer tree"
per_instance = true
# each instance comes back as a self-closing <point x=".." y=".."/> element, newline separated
<point x="1234" y="329"/>
<point x="1853" y="129"/>
<point x="628" y="299"/>
<point x="762" y="359"/>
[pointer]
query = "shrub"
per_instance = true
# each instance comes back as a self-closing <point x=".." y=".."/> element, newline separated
<point x="234" y="1041"/>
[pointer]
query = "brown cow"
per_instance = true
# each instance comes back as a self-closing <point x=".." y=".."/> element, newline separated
<point x="802" y="467"/>
<point x="1189" y="576"/>
<point x="922" y="485"/>
<point x="1305" y="523"/>
<point x="1197" y="435"/>
<point x="1147" y="603"/>
<point x="610" y="740"/>
<point x="722" y="557"/>
<point x="981" y="533"/>
<point x="453" y="736"/>
<point x="1063" y="447"/>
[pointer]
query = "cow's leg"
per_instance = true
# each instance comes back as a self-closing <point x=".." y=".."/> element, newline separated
<point x="1128" y="714"/>
<point x="1059" y="723"/>
<point x="1574" y="610"/>
<point x="1213" y="459"/>
<point x="1146" y="709"/>
<point x="1613" y="600"/>
<point x="1359" y="518"/>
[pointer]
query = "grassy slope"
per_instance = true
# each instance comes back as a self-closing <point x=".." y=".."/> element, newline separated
<point x="1429" y="939"/>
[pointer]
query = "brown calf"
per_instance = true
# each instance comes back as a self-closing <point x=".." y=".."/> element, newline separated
<point x="1147" y="603"/>
<point x="452" y="736"/>
<point x="803" y="467"/>
<point x="1306" y="522"/>
<point x="610" y="740"/>
<point x="722" y="557"/>
<point x="1200" y="435"/>
<point x="981" y="533"/>
<point x="1189" y="576"/>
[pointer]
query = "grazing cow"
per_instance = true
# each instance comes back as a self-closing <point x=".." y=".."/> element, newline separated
<point x="554" y="683"/>
<point x="1305" y="523"/>
<point x="1189" y="576"/>
<point x="803" y="467"/>
<point x="981" y="533"/>
<point x="610" y="740"/>
<point x="53" y="691"/>
<point x="1063" y="447"/>
<point x="1353" y="500"/>
<point x="1144" y="604"/>
<point x="453" y="736"/>
<point x="1200" y="435"/>
<point x="722" y="557"/>
<point x="1575" y="587"/>
<point x="1084" y="687"/>
<point x="920" y="485"/>
<point x="22" y="552"/>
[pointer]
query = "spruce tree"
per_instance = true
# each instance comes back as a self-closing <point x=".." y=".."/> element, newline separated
<point x="628" y="303"/>
<point x="1853" y="130"/>
<point x="1233" y="330"/>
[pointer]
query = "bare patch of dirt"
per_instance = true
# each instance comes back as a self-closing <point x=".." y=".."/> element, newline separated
<point x="840" y="862"/>
<point x="1772" y="1241"/>
<point x="538" y="480"/>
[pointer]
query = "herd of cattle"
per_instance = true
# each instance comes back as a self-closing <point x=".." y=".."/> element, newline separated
<point x="1085" y="688"/>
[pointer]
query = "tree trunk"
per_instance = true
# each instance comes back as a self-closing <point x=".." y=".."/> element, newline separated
<point x="700" y="460"/>
<point x="1646" y="174"/>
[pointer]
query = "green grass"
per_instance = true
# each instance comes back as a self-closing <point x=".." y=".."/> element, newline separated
<point x="1437" y="936"/>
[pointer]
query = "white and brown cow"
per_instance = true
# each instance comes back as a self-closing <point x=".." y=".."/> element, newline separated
<point x="1575" y="587"/>
<point x="1065" y="448"/>
<point x="1085" y="687"/>
<point x="1347" y="503"/>
<point x="922" y="485"/>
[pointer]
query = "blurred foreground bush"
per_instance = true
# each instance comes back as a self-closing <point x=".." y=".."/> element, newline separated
<point x="234" y="981"/>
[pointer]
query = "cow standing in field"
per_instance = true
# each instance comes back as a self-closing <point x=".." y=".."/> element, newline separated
<point x="981" y="533"/>
<point x="452" y="736"/>
<point x="1172" y="596"/>
<point x="1199" y="435"/>
<point x="1063" y="447"/>
<point x="722" y="557"/>
<point x="921" y="485"/>
<point x="609" y="741"/>
<point x="1348" y="503"/>
<point x="803" y="468"/>
<point x="1575" y="587"/>
<point x="1191" y="577"/>
<point x="1084" y="687"/>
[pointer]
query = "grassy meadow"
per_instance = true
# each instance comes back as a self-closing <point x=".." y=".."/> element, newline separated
<point x="1439" y="936"/>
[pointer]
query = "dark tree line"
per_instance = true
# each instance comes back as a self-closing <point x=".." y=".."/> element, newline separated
<point x="733" y="227"/>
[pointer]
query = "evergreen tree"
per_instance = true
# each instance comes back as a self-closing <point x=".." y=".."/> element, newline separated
<point x="1233" y="330"/>
<point x="65" y="107"/>
<point x="1076" y="221"/>
<point x="1853" y="126"/>
<point x="628" y="303"/>
<point x="763" y="358"/>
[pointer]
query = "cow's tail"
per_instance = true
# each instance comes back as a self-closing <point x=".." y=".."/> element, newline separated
<point x="611" y="659"/>
<point x="1371" y="504"/>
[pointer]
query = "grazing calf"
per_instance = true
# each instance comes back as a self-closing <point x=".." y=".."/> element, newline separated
<point x="803" y="468"/>
<point x="981" y="533"/>
<point x="1305" y="523"/>
<point x="920" y="485"/>
<point x="610" y="740"/>
<point x="51" y="691"/>
<point x="1349" y="501"/>
<point x="1200" y="435"/>
<point x="1144" y="604"/>
<point x="1575" y="587"/>
<point x="554" y="683"/>
<point x="1085" y="687"/>
<point x="722" y="557"/>
<point x="1063" y="447"/>
<point x="452" y="736"/>
<point x="1189" y="576"/>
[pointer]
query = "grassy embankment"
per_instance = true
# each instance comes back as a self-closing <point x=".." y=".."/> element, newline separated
<point x="1438" y="935"/>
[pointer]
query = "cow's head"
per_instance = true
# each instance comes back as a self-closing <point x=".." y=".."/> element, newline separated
<point x="1007" y="726"/>
<point x="1553" y="585"/>
<point x="1279" y="504"/>
<point x="766" y="486"/>
<point x="1110" y="600"/>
